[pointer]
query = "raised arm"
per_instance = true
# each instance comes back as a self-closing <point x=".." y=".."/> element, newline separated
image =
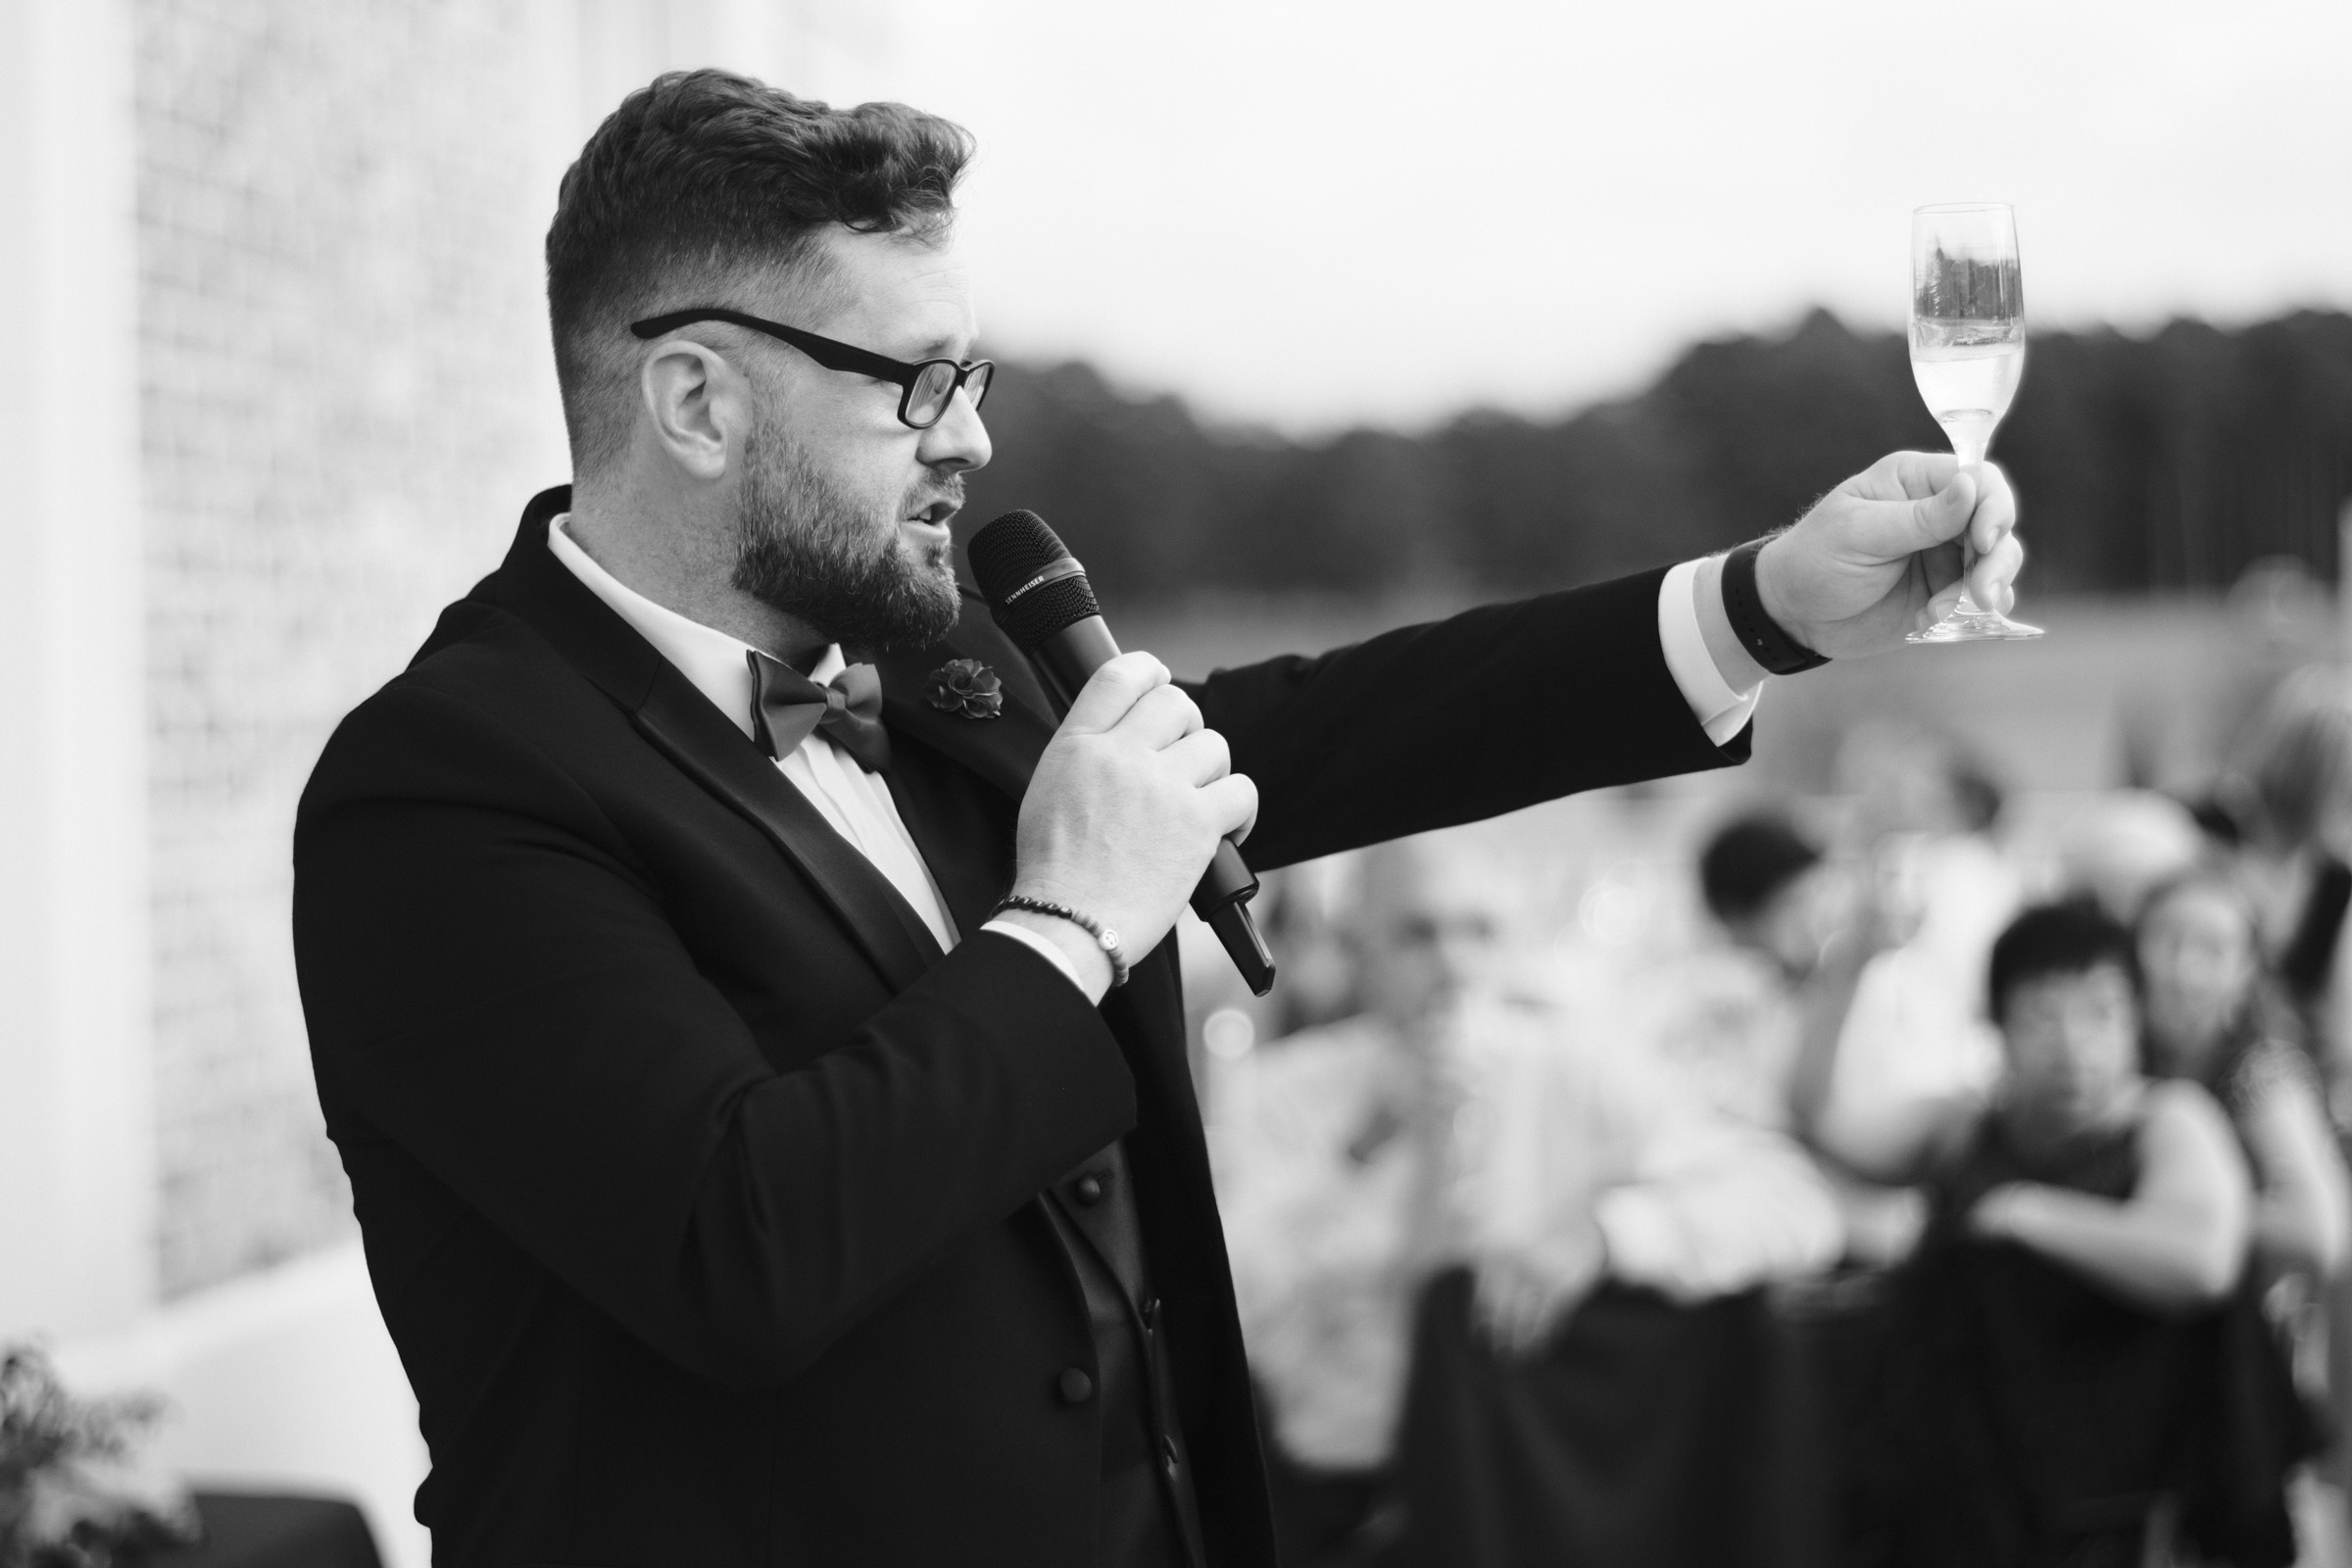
<point x="2177" y="1244"/>
<point x="1878" y="1087"/>
<point x="1508" y="704"/>
<point x="1459" y="719"/>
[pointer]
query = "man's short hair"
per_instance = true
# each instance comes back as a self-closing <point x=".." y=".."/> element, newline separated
<point x="1749" y="862"/>
<point x="699" y="181"/>
<point x="2055" y="939"/>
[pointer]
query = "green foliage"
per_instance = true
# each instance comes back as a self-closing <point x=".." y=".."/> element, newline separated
<point x="44" y="1431"/>
<point x="2164" y="462"/>
<point x="42" y="1425"/>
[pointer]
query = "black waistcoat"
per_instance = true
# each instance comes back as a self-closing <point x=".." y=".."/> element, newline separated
<point x="1147" y="1516"/>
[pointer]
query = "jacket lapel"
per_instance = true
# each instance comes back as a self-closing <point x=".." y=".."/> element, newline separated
<point x="1002" y="750"/>
<point x="680" y="722"/>
<point x="967" y="844"/>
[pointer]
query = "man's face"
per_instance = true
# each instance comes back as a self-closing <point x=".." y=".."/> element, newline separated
<point x="842" y="512"/>
<point x="2072" y="1044"/>
<point x="1431" y="930"/>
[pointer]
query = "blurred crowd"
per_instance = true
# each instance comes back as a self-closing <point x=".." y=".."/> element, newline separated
<point x="1892" y="1177"/>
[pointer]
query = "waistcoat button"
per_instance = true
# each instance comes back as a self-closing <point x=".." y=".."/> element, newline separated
<point x="1074" y="1386"/>
<point x="1090" y="1189"/>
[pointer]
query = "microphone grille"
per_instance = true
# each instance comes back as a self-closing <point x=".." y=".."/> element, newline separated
<point x="1006" y="556"/>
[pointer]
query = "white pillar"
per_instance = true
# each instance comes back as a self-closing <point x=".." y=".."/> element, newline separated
<point x="77" y="1124"/>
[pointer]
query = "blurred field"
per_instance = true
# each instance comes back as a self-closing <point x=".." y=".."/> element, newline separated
<point x="2044" y="716"/>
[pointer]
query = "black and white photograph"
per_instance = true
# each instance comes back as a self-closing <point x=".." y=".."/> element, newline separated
<point x="1101" y="784"/>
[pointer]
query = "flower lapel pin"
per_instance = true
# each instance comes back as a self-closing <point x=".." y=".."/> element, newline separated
<point x="965" y="686"/>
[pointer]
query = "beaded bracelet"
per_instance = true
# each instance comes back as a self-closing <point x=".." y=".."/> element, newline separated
<point x="1104" y="936"/>
<point x="1778" y="653"/>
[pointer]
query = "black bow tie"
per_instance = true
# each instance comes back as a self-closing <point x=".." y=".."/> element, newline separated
<point x="847" y="709"/>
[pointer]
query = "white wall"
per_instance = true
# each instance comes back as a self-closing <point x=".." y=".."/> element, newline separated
<point x="77" y="1131"/>
<point x="196" y="524"/>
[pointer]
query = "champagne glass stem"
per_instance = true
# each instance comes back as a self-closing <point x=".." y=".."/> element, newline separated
<point x="1970" y="442"/>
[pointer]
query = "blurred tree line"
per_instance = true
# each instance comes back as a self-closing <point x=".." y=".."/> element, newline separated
<point x="2141" y="463"/>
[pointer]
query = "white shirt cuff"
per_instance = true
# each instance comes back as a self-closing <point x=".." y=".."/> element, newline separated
<point x="1038" y="945"/>
<point x="1719" y="710"/>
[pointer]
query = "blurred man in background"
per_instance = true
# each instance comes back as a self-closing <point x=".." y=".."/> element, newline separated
<point x="1464" y="1120"/>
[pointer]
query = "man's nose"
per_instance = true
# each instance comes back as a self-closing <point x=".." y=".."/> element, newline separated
<point x="958" y="442"/>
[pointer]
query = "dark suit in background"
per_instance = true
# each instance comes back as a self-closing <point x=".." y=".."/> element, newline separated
<point x="701" y="1193"/>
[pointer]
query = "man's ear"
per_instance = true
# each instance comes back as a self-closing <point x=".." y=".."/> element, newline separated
<point x="699" y="404"/>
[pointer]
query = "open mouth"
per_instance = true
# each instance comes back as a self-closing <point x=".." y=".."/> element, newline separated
<point x="936" y="514"/>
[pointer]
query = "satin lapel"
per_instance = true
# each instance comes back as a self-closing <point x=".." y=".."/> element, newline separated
<point x="534" y="585"/>
<point x="964" y="834"/>
<point x="1002" y="750"/>
<point x="698" y="738"/>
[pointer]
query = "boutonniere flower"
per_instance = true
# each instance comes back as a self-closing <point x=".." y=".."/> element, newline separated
<point x="965" y="686"/>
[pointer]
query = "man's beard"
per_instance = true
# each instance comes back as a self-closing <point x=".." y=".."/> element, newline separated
<point x="805" y="546"/>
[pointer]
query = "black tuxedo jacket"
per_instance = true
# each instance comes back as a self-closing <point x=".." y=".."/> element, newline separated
<point x="698" y="1188"/>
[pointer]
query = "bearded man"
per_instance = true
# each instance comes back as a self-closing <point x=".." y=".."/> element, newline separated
<point x="743" y="1181"/>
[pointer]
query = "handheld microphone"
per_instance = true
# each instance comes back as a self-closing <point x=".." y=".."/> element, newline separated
<point x="1040" y="597"/>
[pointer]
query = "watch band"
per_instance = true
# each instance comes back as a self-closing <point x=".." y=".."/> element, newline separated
<point x="1778" y="653"/>
<point x="1104" y="936"/>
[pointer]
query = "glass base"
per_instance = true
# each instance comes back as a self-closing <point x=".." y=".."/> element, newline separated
<point x="1966" y="623"/>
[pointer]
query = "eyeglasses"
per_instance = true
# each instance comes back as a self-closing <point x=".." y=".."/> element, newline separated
<point x="927" y="386"/>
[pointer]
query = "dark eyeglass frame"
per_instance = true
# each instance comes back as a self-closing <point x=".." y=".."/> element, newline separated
<point x="838" y="356"/>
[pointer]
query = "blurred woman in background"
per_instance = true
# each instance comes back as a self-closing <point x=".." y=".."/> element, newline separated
<point x="2074" y="1369"/>
<point x="2209" y="1019"/>
<point x="2284" y="807"/>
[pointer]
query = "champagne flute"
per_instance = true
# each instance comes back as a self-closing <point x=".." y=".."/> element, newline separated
<point x="1968" y="349"/>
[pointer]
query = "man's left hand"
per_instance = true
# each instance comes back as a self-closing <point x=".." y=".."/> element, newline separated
<point x="1879" y="556"/>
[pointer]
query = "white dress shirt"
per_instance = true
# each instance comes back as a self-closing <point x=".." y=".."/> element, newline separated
<point x="1358" y="1163"/>
<point x="858" y="805"/>
<point x="854" y="804"/>
<point x="1692" y="1203"/>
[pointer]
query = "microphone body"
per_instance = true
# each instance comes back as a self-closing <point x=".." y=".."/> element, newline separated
<point x="1066" y="640"/>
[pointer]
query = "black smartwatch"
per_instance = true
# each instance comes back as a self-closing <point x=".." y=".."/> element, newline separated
<point x="1778" y="653"/>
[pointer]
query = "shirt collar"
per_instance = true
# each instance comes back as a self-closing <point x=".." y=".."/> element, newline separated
<point x="711" y="659"/>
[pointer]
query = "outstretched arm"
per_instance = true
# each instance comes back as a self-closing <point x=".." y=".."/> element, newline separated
<point x="1508" y="704"/>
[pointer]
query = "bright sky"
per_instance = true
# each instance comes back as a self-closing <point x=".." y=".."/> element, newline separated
<point x="1312" y="212"/>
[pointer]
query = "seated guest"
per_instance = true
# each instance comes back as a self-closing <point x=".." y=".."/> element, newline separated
<point x="1746" y="1016"/>
<point x="1728" y="1011"/>
<point x="2209" y="1020"/>
<point x="1911" y="1041"/>
<point x="2071" y="1361"/>
<point x="1763" y="882"/>
<point x="1327" y="1154"/>
<point x="1590" y="1212"/>
<point x="2284" y="807"/>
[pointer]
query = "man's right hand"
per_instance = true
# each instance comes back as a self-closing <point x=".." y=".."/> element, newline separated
<point x="1125" y="809"/>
